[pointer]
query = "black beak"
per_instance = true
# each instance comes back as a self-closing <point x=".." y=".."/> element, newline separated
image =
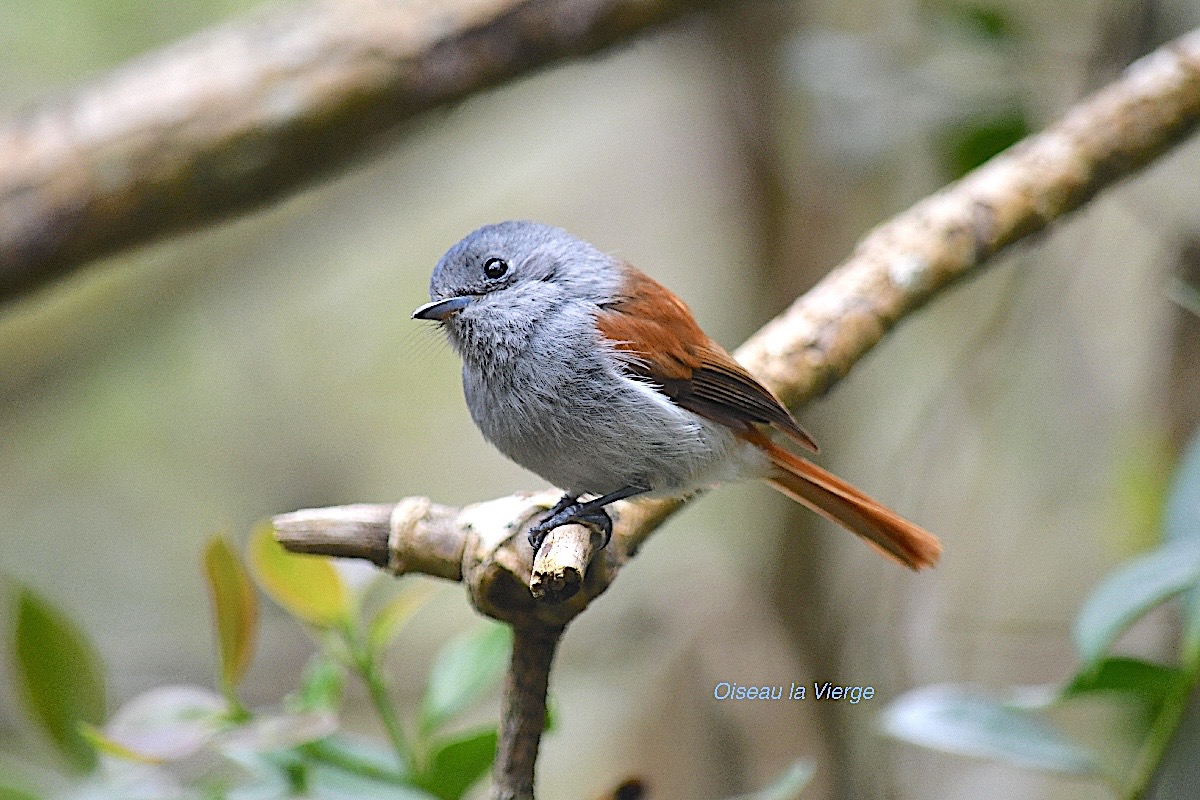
<point x="440" y="309"/>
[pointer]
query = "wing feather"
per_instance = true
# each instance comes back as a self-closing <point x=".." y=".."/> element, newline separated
<point x="664" y="345"/>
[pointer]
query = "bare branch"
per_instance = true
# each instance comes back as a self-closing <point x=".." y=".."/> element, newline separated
<point x="246" y="113"/>
<point x="358" y="531"/>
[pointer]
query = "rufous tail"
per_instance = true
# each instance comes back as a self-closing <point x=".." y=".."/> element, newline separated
<point x="836" y="500"/>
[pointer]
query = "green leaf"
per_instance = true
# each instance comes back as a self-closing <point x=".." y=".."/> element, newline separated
<point x="983" y="21"/>
<point x="321" y="687"/>
<point x="391" y="619"/>
<point x="456" y="765"/>
<point x="1151" y="683"/>
<point x="787" y="786"/>
<point x="13" y="793"/>
<point x="1129" y="592"/>
<point x="61" y="676"/>
<point x="235" y="608"/>
<point x="327" y="782"/>
<point x="1181" y="523"/>
<point x="965" y="147"/>
<point x="463" y="671"/>
<point x="1143" y="467"/>
<point x="359" y="755"/>
<point x="307" y="586"/>
<point x="957" y="719"/>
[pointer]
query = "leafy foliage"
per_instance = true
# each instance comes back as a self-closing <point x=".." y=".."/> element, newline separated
<point x="235" y="610"/>
<point x="61" y="676"/>
<point x="965" y="720"/>
<point x="463" y="671"/>
<point x="194" y="742"/>
<point x="165" y="740"/>
<point x="307" y="587"/>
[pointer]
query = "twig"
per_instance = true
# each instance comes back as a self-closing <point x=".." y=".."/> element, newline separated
<point x="246" y="113"/>
<point x="894" y="270"/>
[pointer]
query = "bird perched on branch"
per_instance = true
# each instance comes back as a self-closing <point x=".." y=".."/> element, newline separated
<point x="585" y="370"/>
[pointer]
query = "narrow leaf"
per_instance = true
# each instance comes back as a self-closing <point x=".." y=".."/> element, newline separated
<point x="111" y="747"/>
<point x="787" y="786"/>
<point x="307" y="586"/>
<point x="61" y="676"/>
<point x="463" y="671"/>
<point x="328" y="782"/>
<point x="360" y="755"/>
<point x="1129" y="592"/>
<point x="956" y="719"/>
<point x="456" y="765"/>
<point x="235" y="608"/>
<point x="391" y="619"/>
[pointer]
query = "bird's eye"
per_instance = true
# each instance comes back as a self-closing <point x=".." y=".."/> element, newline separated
<point x="495" y="267"/>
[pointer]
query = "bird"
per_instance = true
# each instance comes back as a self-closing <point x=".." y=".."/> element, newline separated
<point x="588" y="372"/>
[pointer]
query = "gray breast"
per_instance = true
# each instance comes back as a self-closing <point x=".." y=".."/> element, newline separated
<point x="563" y="409"/>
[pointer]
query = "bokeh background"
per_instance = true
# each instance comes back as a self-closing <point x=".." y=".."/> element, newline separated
<point x="1029" y="417"/>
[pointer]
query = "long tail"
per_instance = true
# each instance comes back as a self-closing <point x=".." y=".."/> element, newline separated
<point x="838" y="501"/>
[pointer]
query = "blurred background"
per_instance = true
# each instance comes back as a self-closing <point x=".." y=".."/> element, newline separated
<point x="1028" y="417"/>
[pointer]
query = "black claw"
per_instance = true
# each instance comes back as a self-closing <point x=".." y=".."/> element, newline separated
<point x="592" y="513"/>
<point x="601" y="521"/>
<point x="572" y="511"/>
<point x="537" y="534"/>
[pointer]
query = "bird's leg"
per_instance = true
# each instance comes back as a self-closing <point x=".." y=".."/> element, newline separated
<point x="591" y="513"/>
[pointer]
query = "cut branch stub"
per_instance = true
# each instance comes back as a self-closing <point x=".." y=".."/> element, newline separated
<point x="562" y="562"/>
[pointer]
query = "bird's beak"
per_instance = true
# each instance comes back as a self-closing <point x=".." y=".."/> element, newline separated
<point x="440" y="309"/>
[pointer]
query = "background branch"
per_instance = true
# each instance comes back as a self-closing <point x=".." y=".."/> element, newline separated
<point x="243" y="114"/>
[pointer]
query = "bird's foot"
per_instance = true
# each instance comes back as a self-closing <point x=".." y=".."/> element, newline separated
<point x="568" y="511"/>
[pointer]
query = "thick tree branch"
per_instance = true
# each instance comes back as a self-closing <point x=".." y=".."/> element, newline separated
<point x="895" y="269"/>
<point x="243" y="114"/>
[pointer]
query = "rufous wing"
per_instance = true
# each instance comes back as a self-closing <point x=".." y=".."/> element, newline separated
<point x="665" y="346"/>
